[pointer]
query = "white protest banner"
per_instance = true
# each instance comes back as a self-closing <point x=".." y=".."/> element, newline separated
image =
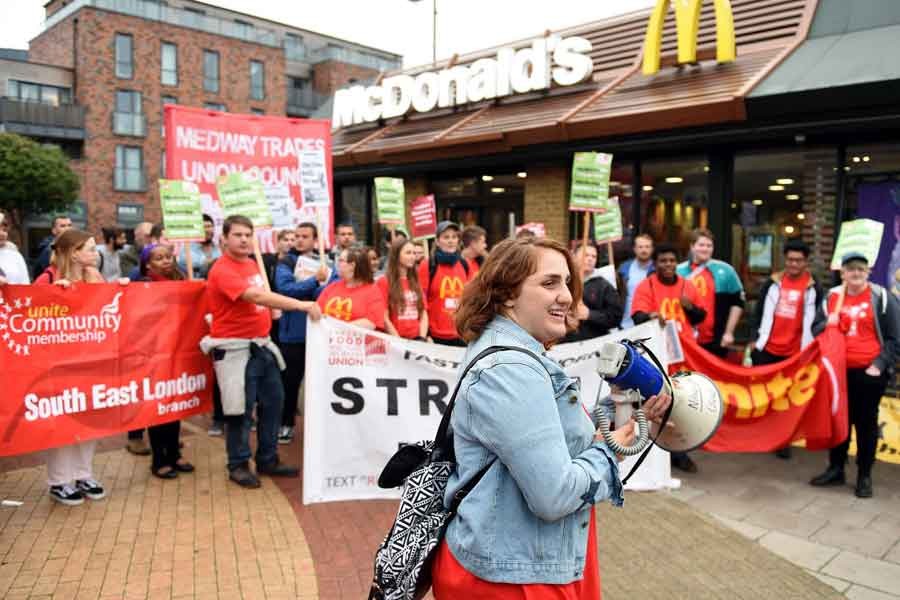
<point x="367" y="393"/>
<point x="281" y="205"/>
<point x="314" y="178"/>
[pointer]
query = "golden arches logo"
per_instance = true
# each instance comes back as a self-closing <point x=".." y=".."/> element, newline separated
<point x="339" y="308"/>
<point x="671" y="309"/>
<point x="700" y="285"/>
<point x="451" y="287"/>
<point x="687" y="25"/>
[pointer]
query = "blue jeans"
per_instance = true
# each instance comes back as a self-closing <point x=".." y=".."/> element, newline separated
<point x="263" y="389"/>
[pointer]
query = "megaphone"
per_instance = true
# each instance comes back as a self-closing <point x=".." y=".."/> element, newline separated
<point x="697" y="405"/>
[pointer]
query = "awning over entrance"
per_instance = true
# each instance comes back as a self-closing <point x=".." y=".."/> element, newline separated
<point x="618" y="98"/>
<point x="849" y="43"/>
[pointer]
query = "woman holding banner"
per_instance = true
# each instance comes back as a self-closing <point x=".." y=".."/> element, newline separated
<point x="527" y="529"/>
<point x="70" y="468"/>
<point x="355" y="297"/>
<point x="406" y="314"/>
<point x="157" y="263"/>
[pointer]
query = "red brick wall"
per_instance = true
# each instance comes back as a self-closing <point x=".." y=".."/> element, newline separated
<point x="546" y="200"/>
<point x="97" y="85"/>
<point x="54" y="6"/>
<point x="331" y="75"/>
<point x="54" y="46"/>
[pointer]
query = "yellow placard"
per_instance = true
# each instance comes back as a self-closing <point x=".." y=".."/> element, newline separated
<point x="687" y="23"/>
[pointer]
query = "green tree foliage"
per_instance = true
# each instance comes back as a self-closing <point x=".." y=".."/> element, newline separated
<point x="34" y="178"/>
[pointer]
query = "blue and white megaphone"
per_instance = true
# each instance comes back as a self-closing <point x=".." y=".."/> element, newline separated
<point x="697" y="406"/>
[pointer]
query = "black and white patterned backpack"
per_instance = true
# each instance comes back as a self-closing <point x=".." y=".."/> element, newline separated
<point x="403" y="561"/>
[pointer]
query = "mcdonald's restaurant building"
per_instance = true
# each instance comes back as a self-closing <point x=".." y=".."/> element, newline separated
<point x="759" y="119"/>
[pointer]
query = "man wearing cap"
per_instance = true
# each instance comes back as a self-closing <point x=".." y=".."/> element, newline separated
<point x="443" y="277"/>
<point x="869" y="318"/>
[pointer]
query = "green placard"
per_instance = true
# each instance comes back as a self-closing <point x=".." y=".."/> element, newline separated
<point x="390" y="200"/>
<point x="240" y="194"/>
<point x="861" y="235"/>
<point x="590" y="181"/>
<point x="182" y="211"/>
<point x="608" y="225"/>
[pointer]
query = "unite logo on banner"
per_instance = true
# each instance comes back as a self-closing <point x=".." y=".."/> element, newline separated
<point x="24" y="324"/>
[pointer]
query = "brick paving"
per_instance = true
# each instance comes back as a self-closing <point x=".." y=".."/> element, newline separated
<point x="195" y="537"/>
<point x="203" y="537"/>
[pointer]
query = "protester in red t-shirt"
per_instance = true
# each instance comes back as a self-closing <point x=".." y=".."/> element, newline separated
<point x="157" y="263"/>
<point x="869" y="317"/>
<point x="248" y="364"/>
<point x="665" y="295"/>
<point x="406" y="314"/>
<point x="444" y="288"/>
<point x="474" y="248"/>
<point x="785" y="314"/>
<point x="355" y="297"/>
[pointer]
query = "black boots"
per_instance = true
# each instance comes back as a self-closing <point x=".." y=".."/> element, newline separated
<point x="832" y="476"/>
<point x="863" y="486"/>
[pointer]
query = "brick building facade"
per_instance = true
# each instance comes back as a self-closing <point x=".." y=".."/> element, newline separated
<point x="129" y="58"/>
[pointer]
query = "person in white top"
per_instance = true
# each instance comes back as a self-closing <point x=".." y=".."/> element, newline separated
<point x="11" y="262"/>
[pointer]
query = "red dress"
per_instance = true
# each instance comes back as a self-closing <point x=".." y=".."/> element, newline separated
<point x="450" y="580"/>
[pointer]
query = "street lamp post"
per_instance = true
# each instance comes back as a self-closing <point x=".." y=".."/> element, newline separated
<point x="433" y="30"/>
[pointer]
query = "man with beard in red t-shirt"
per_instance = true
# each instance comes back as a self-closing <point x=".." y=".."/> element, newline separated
<point x="248" y="364"/>
<point x="785" y="315"/>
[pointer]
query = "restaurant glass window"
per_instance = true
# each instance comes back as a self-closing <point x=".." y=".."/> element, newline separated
<point x="779" y="195"/>
<point x="492" y="200"/>
<point x="873" y="192"/>
<point x="674" y="199"/>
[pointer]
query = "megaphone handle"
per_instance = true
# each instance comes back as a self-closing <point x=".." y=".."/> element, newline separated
<point x="643" y="435"/>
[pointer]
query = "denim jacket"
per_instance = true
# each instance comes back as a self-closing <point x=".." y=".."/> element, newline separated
<point x="527" y="519"/>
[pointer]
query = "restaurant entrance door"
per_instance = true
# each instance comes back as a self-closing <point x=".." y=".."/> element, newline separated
<point x="489" y="201"/>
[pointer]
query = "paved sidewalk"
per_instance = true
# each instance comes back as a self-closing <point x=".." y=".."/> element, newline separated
<point x="195" y="537"/>
<point x="850" y="543"/>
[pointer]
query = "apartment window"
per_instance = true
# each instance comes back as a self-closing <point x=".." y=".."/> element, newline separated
<point x="193" y="17"/>
<point x="26" y="91"/>
<point x="129" y="174"/>
<point x="214" y="106"/>
<point x="128" y="118"/>
<point x="294" y="49"/>
<point x="257" y="111"/>
<point x="169" y="64"/>
<point x="210" y="71"/>
<point x="166" y="100"/>
<point x="257" y="80"/>
<point x="243" y="30"/>
<point x="124" y="56"/>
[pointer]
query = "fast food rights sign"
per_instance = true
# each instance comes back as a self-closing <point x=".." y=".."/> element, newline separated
<point x="548" y="60"/>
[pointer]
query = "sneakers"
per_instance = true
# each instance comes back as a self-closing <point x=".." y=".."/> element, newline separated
<point x="278" y="469"/>
<point x="285" y="435"/>
<point x="66" y="494"/>
<point x="216" y="429"/>
<point x="138" y="447"/>
<point x="90" y="488"/>
<point x="831" y="476"/>
<point x="244" y="477"/>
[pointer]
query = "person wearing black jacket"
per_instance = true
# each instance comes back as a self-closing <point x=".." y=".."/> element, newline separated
<point x="601" y="308"/>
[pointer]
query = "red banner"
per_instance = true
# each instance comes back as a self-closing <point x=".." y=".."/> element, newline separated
<point x="423" y="217"/>
<point x="768" y="407"/>
<point x="295" y="154"/>
<point x="98" y="359"/>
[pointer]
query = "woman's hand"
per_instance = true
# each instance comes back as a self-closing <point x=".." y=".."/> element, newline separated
<point x="624" y="435"/>
<point x="833" y="319"/>
<point x="63" y="283"/>
<point x="124" y="281"/>
<point x="873" y="371"/>
<point x="655" y="406"/>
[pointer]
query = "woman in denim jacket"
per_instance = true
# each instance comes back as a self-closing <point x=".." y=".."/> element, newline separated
<point x="527" y="529"/>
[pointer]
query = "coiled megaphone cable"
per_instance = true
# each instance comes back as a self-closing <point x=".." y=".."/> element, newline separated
<point x="642" y="438"/>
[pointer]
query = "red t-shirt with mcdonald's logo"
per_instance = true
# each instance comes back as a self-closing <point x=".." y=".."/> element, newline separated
<point x="351" y="303"/>
<point x="654" y="296"/>
<point x="443" y="294"/>
<point x="706" y="293"/>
